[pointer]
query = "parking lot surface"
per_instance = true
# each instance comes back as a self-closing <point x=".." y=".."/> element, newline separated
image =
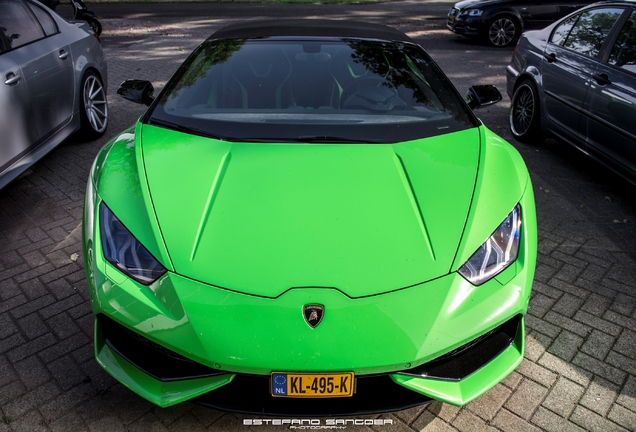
<point x="579" y="371"/>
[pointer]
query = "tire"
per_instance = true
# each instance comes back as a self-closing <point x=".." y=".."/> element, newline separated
<point x="525" y="113"/>
<point x="93" y="107"/>
<point x="503" y="30"/>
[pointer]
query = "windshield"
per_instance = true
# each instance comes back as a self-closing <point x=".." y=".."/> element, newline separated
<point x="310" y="90"/>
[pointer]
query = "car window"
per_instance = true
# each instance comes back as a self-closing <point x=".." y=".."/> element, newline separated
<point x="623" y="53"/>
<point x="591" y="29"/>
<point x="351" y="90"/>
<point x="47" y="22"/>
<point x="18" y="23"/>
<point x="562" y="31"/>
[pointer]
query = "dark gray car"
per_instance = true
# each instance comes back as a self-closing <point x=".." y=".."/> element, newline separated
<point x="576" y="80"/>
<point x="54" y="79"/>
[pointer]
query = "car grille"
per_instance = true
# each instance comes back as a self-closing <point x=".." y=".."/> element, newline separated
<point x="469" y="358"/>
<point x="251" y="394"/>
<point x="453" y="12"/>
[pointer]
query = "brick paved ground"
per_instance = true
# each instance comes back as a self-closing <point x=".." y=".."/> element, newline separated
<point x="579" y="372"/>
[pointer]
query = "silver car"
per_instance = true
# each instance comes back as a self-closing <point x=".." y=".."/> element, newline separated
<point x="54" y="79"/>
<point x="576" y="80"/>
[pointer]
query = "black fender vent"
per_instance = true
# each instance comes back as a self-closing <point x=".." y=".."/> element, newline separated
<point x="157" y="361"/>
<point x="469" y="358"/>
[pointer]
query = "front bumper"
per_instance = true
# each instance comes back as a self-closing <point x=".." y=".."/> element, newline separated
<point x="512" y="75"/>
<point x="136" y="367"/>
<point x="465" y="26"/>
<point x="222" y="346"/>
<point x="164" y="377"/>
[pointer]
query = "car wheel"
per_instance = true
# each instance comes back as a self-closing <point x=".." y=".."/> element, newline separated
<point x="525" y="122"/>
<point x="502" y="31"/>
<point x="93" y="106"/>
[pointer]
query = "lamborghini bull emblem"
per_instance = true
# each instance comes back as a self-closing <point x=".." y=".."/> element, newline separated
<point x="313" y="314"/>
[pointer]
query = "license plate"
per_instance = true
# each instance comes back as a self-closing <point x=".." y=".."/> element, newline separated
<point x="451" y="19"/>
<point x="312" y="385"/>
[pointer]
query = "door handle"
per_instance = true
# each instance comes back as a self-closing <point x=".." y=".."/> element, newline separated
<point x="63" y="55"/>
<point x="602" y="79"/>
<point x="551" y="58"/>
<point x="12" y="78"/>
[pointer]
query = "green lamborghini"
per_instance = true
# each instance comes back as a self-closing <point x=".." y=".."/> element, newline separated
<point x="309" y="219"/>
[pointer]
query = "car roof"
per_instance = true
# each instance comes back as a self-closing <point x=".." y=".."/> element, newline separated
<point x="613" y="3"/>
<point x="310" y="28"/>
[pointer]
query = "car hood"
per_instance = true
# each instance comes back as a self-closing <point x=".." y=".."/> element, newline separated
<point x="265" y="218"/>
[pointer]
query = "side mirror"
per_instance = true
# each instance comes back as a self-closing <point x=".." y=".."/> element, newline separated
<point x="478" y="96"/>
<point x="138" y="91"/>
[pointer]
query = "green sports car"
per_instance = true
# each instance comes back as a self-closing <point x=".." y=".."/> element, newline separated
<point x="309" y="219"/>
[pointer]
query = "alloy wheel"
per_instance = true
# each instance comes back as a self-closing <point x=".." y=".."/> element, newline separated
<point x="502" y="31"/>
<point x="95" y="104"/>
<point x="525" y="121"/>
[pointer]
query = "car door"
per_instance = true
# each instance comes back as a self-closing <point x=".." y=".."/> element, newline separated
<point x="17" y="127"/>
<point x="46" y="62"/>
<point x="539" y="13"/>
<point x="570" y="60"/>
<point x="17" y="124"/>
<point x="610" y="123"/>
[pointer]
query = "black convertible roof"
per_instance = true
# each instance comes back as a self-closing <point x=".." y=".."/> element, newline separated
<point x="310" y="28"/>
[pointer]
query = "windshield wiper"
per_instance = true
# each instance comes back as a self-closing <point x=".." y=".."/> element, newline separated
<point x="186" y="129"/>
<point x="332" y="139"/>
<point x="327" y="139"/>
<point x="311" y="139"/>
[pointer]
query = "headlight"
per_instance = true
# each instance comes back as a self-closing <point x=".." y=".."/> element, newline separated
<point x="473" y="12"/>
<point x="496" y="253"/>
<point x="125" y="252"/>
